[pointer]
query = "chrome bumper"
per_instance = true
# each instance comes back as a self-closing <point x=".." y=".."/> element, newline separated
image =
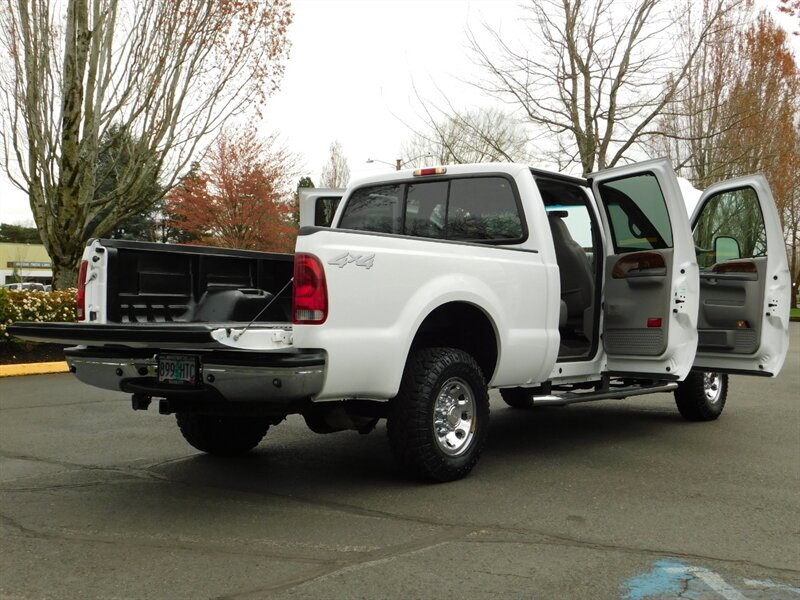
<point x="226" y="376"/>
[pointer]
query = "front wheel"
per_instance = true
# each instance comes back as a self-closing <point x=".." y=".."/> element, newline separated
<point x="439" y="420"/>
<point x="222" y="435"/>
<point x="701" y="396"/>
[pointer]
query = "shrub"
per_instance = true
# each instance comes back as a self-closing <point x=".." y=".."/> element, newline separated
<point x="30" y="305"/>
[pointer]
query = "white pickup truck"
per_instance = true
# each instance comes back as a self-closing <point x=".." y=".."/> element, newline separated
<point x="434" y="286"/>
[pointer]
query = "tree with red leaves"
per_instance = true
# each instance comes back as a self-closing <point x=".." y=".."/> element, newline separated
<point x="242" y="199"/>
<point x="738" y="115"/>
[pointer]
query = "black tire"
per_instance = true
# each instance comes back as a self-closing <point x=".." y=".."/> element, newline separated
<point x="222" y="435"/>
<point x="446" y="383"/>
<point x="701" y="396"/>
<point x="517" y="397"/>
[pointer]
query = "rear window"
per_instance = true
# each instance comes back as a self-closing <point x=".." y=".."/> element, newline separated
<point x="483" y="209"/>
<point x="426" y="209"/>
<point x="470" y="209"/>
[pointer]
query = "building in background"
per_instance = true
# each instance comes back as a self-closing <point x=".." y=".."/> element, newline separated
<point x="25" y="263"/>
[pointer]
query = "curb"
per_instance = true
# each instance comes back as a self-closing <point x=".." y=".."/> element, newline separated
<point x="33" y="369"/>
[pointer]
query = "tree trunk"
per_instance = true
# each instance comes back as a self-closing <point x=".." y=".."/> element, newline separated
<point x="65" y="274"/>
<point x="793" y="275"/>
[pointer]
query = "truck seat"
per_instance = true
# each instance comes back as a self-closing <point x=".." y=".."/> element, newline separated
<point x="575" y="272"/>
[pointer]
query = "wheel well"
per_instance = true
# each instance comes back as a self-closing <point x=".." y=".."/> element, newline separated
<point x="464" y="326"/>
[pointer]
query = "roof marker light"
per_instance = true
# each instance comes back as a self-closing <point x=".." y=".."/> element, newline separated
<point x="430" y="171"/>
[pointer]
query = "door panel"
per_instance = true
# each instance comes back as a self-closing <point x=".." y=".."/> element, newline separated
<point x="729" y="319"/>
<point x="651" y="286"/>
<point x="639" y="303"/>
<point x="744" y="279"/>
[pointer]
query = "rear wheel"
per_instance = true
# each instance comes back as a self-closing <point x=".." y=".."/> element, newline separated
<point x="701" y="396"/>
<point x="222" y="435"/>
<point x="439" y="420"/>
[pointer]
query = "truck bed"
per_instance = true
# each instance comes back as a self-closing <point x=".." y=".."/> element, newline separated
<point x="178" y="283"/>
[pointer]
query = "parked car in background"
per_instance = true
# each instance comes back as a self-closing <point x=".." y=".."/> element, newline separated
<point x="28" y="285"/>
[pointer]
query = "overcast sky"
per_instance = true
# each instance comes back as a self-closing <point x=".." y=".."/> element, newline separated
<point x="355" y="64"/>
<point x="350" y="77"/>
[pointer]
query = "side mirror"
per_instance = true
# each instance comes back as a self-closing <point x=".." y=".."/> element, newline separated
<point x="726" y="248"/>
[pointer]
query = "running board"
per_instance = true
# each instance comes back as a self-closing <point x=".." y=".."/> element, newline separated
<point x="616" y="394"/>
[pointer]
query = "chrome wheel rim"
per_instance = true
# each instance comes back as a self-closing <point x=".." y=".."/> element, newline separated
<point x="712" y="386"/>
<point x="454" y="419"/>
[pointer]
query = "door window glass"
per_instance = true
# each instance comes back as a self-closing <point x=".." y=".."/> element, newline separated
<point x="727" y="220"/>
<point x="324" y="210"/>
<point x="377" y="209"/>
<point x="638" y="213"/>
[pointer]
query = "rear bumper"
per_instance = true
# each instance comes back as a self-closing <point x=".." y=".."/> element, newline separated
<point x="232" y="376"/>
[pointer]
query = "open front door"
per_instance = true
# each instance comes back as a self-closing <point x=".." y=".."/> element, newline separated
<point x="318" y="205"/>
<point x="745" y="287"/>
<point x="650" y="294"/>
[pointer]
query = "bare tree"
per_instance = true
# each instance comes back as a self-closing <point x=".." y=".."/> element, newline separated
<point x="449" y="136"/>
<point x="336" y="172"/>
<point x="590" y="76"/>
<point x="738" y="115"/>
<point x="695" y="129"/>
<point x="166" y="73"/>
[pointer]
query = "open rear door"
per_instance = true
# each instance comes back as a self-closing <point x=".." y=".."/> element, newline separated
<point x="745" y="287"/>
<point x="651" y="288"/>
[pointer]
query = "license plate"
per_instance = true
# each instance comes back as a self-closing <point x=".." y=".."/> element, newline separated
<point x="178" y="368"/>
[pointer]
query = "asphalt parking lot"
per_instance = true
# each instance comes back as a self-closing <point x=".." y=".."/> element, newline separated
<point x="617" y="499"/>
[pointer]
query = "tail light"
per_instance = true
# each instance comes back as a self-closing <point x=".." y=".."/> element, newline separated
<point x="82" y="290"/>
<point x="310" y="298"/>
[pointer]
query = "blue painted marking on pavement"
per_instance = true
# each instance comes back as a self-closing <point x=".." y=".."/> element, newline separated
<point x="666" y="578"/>
<point x="669" y="578"/>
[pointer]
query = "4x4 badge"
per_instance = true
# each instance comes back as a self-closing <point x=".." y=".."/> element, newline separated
<point x="360" y="260"/>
